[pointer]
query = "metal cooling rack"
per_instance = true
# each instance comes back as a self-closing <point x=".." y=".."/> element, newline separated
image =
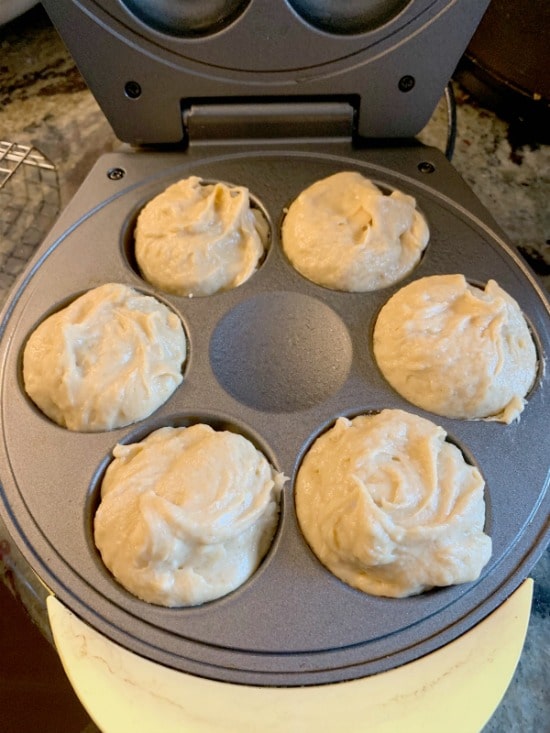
<point x="29" y="204"/>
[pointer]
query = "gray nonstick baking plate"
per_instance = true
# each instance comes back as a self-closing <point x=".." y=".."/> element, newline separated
<point x="277" y="359"/>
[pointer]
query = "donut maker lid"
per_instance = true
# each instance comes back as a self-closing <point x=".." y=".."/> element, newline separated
<point x="277" y="359"/>
<point x="156" y="67"/>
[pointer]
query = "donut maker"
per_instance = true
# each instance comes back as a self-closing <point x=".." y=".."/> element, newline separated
<point x="272" y="95"/>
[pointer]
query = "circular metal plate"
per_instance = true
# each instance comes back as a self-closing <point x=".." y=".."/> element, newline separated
<point x="278" y="359"/>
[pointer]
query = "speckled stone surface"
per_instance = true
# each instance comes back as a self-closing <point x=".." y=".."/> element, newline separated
<point x="512" y="180"/>
<point x="44" y="103"/>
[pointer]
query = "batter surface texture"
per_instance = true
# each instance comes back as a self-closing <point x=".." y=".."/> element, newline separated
<point x="390" y="507"/>
<point x="110" y="358"/>
<point x="198" y="238"/>
<point x="346" y="234"/>
<point x="455" y="349"/>
<point x="187" y="514"/>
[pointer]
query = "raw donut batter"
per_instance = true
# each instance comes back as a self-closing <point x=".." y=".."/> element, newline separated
<point x="390" y="507"/>
<point x="456" y="350"/>
<point x="110" y="358"/>
<point x="344" y="233"/>
<point x="198" y="239"/>
<point x="187" y="514"/>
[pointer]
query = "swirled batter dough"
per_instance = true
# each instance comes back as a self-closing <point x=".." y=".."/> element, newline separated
<point x="390" y="507"/>
<point x="456" y="350"/>
<point x="187" y="514"/>
<point x="198" y="239"/>
<point x="110" y="358"/>
<point x="344" y="233"/>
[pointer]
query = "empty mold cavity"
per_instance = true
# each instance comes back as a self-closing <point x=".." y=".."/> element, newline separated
<point x="348" y="18"/>
<point x="186" y="525"/>
<point x="197" y="249"/>
<point x="186" y="18"/>
<point x="281" y="352"/>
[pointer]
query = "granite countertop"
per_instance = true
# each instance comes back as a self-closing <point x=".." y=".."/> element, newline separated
<point x="45" y="104"/>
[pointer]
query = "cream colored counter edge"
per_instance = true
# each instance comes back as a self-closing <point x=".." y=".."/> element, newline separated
<point x="455" y="689"/>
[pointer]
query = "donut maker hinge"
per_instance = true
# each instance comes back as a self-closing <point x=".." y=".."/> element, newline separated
<point x="206" y="120"/>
